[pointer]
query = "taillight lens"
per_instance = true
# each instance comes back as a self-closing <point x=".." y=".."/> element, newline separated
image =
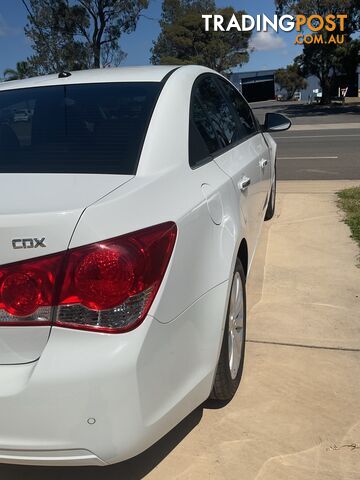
<point x="103" y="278"/>
<point x="107" y="286"/>
<point x="21" y="293"/>
<point x="27" y="290"/>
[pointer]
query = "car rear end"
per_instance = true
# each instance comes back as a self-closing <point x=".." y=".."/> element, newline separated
<point x="61" y="308"/>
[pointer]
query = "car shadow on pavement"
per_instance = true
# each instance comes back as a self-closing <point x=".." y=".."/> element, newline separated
<point x="134" y="469"/>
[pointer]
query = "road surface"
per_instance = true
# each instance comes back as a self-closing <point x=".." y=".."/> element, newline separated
<point x="332" y="154"/>
<point x="323" y="144"/>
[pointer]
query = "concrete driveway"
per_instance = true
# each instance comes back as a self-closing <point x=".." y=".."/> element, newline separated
<point x="297" y="412"/>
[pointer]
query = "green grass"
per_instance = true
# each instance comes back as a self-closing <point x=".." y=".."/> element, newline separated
<point x="349" y="201"/>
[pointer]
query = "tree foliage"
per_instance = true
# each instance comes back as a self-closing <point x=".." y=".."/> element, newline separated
<point x="290" y="79"/>
<point x="183" y="39"/>
<point x="323" y="8"/>
<point x="78" y="34"/>
<point x="327" y="60"/>
<point x="347" y="57"/>
<point x="22" y="70"/>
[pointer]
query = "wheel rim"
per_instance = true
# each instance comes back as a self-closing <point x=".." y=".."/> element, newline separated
<point x="236" y="325"/>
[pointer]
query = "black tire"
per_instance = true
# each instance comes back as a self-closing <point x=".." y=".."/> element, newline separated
<point x="270" y="211"/>
<point x="225" y="386"/>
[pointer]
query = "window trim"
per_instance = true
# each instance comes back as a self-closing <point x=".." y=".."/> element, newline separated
<point x="218" y="78"/>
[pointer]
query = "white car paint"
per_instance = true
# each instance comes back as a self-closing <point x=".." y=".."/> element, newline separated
<point x="86" y="398"/>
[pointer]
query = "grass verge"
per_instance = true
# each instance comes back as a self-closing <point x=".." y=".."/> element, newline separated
<point x="349" y="201"/>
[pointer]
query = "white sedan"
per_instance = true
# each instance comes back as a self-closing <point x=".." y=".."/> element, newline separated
<point x="130" y="211"/>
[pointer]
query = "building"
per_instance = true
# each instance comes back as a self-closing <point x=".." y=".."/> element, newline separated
<point x="255" y="86"/>
<point x="260" y="85"/>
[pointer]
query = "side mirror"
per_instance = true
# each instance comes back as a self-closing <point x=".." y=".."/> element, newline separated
<point x="276" y="122"/>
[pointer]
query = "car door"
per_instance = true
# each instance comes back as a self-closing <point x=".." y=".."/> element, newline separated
<point x="250" y="130"/>
<point x="240" y="151"/>
<point x="223" y="127"/>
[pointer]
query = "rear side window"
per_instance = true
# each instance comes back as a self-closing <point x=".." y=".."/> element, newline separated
<point x="247" y="125"/>
<point x="213" y="125"/>
<point x="218" y="110"/>
<point x="89" y="128"/>
<point x="202" y="138"/>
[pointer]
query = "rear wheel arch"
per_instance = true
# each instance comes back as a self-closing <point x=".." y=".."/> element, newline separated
<point x="227" y="374"/>
<point x="241" y="254"/>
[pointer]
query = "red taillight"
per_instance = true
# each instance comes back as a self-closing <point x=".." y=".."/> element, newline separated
<point x="106" y="286"/>
<point x="27" y="290"/>
<point x="20" y="293"/>
<point x="103" y="278"/>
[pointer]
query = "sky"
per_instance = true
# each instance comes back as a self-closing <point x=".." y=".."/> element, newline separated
<point x="271" y="50"/>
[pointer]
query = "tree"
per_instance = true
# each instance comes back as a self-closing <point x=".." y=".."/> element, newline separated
<point x="316" y="61"/>
<point x="323" y="8"/>
<point x="183" y="39"/>
<point x="22" y="70"/>
<point x="326" y="60"/>
<point x="290" y="79"/>
<point x="78" y="34"/>
<point x="348" y="57"/>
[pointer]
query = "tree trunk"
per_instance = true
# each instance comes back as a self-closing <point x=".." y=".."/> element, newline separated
<point x="325" y="84"/>
<point x="97" y="54"/>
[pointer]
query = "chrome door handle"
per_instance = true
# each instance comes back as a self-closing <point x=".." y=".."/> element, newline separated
<point x="244" y="183"/>
<point x="263" y="162"/>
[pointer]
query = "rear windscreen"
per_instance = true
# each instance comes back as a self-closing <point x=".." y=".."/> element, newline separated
<point x="89" y="128"/>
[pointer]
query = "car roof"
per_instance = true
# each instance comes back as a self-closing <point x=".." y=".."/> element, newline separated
<point x="148" y="73"/>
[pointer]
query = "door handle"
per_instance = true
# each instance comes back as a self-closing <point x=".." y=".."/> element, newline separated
<point x="244" y="183"/>
<point x="263" y="162"/>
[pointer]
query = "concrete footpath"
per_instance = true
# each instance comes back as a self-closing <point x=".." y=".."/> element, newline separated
<point x="296" y="415"/>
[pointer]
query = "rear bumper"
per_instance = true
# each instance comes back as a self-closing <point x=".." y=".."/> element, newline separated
<point x="97" y="399"/>
<point x="56" y="458"/>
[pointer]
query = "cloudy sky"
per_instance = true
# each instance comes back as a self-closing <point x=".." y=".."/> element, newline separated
<point x="270" y="50"/>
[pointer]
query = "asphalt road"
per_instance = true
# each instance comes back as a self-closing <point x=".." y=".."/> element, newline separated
<point x="301" y="113"/>
<point x="315" y="149"/>
<point x="318" y="154"/>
